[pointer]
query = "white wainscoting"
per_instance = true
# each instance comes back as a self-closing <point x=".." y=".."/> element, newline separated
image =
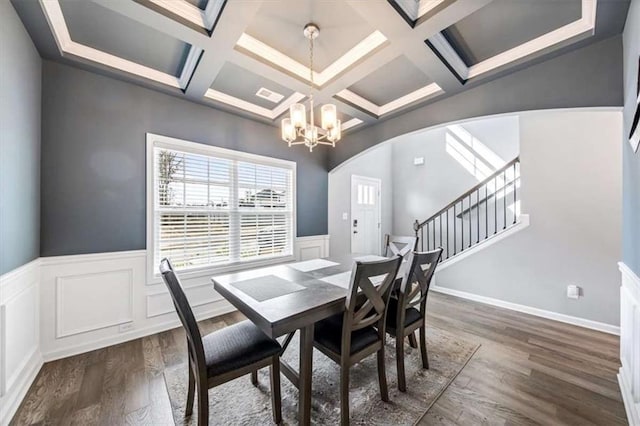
<point x="312" y="247"/>
<point x="20" y="356"/>
<point x="91" y="301"/>
<point x="629" y="375"/>
<point x="95" y="300"/>
<point x="60" y="306"/>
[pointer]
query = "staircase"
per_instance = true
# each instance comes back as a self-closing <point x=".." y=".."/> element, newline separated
<point x="480" y="214"/>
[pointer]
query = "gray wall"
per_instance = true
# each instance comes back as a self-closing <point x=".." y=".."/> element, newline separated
<point x="421" y="191"/>
<point x="589" y="76"/>
<point x="631" y="160"/>
<point x="20" y="82"/>
<point x="572" y="190"/>
<point x="376" y="164"/>
<point x="93" y="158"/>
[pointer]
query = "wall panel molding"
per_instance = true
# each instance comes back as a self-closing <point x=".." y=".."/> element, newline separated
<point x="312" y="247"/>
<point x="95" y="300"/>
<point x="20" y="356"/>
<point x="629" y="374"/>
<point x="76" y="311"/>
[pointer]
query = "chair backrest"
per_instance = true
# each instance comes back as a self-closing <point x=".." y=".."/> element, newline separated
<point x="396" y="245"/>
<point x="194" y="338"/>
<point x="369" y="289"/>
<point x="417" y="279"/>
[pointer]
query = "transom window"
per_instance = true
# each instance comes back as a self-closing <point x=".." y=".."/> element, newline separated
<point x="213" y="207"/>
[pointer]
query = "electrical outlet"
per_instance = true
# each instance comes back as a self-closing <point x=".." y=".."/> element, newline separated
<point x="125" y="327"/>
<point x="345" y="216"/>
<point x="573" y="291"/>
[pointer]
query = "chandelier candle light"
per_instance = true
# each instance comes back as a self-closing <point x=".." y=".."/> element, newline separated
<point x="295" y="129"/>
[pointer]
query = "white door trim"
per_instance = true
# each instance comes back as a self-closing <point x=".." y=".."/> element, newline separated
<point x="378" y="182"/>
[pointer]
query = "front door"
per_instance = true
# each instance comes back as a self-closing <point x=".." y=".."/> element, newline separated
<point x="365" y="215"/>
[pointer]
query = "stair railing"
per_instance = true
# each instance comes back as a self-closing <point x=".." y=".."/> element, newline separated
<point x="488" y="208"/>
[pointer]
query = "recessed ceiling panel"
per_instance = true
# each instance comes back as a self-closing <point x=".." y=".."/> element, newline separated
<point x="505" y="24"/>
<point x="95" y="26"/>
<point x="243" y="84"/>
<point x="279" y="24"/>
<point x="391" y="81"/>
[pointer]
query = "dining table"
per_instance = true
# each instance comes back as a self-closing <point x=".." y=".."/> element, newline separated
<point x="284" y="298"/>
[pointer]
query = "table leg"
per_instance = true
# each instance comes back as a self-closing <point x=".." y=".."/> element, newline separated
<point x="306" y="370"/>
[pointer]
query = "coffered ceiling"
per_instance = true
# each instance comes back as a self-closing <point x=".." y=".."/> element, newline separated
<point x="373" y="58"/>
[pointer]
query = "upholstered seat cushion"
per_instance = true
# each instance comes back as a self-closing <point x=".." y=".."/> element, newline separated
<point x="237" y="346"/>
<point x="410" y="317"/>
<point x="328" y="333"/>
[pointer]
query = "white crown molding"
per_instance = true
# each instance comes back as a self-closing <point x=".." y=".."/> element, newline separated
<point x="189" y="66"/>
<point x="202" y="18"/>
<point x="450" y="55"/>
<point x="351" y="123"/>
<point x="423" y="93"/>
<point x="584" y="25"/>
<point x="271" y="114"/>
<point x="212" y="11"/>
<point x="58" y="25"/>
<point x="416" y="9"/>
<point x="279" y="59"/>
<point x="185" y="10"/>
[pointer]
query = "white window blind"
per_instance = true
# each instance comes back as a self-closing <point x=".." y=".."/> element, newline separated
<point x="213" y="210"/>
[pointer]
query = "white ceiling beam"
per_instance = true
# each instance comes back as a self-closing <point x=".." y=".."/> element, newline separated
<point x="410" y="41"/>
<point x="236" y="16"/>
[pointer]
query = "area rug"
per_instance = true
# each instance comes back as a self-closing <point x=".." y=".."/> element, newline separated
<point x="240" y="403"/>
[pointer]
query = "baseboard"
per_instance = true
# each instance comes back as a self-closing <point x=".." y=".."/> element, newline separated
<point x="223" y="308"/>
<point x="580" y="322"/>
<point x="631" y="407"/>
<point x="10" y="402"/>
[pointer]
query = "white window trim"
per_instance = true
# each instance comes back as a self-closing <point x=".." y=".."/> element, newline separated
<point x="153" y="141"/>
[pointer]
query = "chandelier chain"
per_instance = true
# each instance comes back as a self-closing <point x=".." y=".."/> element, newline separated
<point x="311" y="62"/>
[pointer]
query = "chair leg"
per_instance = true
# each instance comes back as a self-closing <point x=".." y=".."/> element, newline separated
<point x="276" y="398"/>
<point x="402" y="382"/>
<point x="203" y="403"/>
<point x="412" y="340"/>
<point x="382" y="376"/>
<point x="254" y="378"/>
<point x="190" y="392"/>
<point x="423" y="347"/>
<point x="344" y="395"/>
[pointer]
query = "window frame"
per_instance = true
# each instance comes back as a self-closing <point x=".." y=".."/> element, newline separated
<point x="159" y="141"/>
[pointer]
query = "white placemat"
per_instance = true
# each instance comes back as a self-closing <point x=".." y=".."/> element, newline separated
<point x="369" y="258"/>
<point x="312" y="265"/>
<point x="340" y="280"/>
<point x="343" y="279"/>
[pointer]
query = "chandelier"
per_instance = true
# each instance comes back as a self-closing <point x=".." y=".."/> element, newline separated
<point x="295" y="129"/>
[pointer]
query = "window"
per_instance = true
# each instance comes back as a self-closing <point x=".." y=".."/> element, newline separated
<point x="214" y="208"/>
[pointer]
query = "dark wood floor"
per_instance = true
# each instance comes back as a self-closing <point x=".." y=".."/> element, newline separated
<point x="528" y="371"/>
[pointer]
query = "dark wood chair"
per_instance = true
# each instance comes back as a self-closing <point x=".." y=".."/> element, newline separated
<point x="359" y="332"/>
<point x="223" y="355"/>
<point x="399" y="246"/>
<point x="403" y="318"/>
